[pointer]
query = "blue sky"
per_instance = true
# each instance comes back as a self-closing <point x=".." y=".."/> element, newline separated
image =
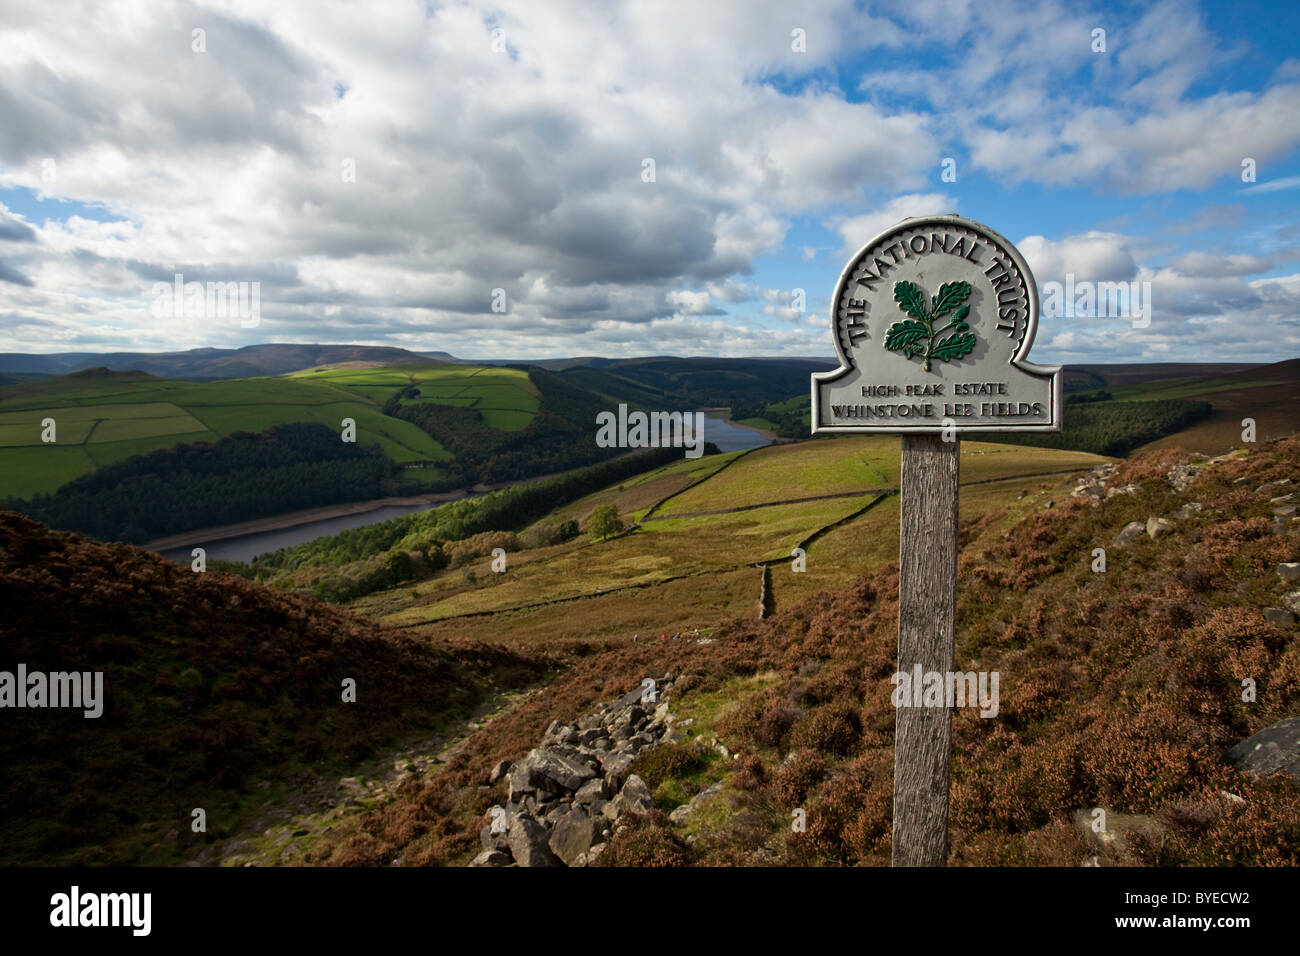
<point x="387" y="174"/>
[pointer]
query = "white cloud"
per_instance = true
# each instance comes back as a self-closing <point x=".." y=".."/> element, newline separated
<point x="857" y="231"/>
<point x="731" y="291"/>
<point x="1274" y="185"/>
<point x="522" y="171"/>
<point x="1093" y="256"/>
<point x="693" y="303"/>
<point x="1234" y="263"/>
<point x="783" y="312"/>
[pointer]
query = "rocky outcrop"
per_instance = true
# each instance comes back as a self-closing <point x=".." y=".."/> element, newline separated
<point x="1274" y="749"/>
<point x="1093" y="484"/>
<point x="565" y="797"/>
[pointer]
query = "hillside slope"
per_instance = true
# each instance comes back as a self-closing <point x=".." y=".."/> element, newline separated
<point x="216" y="693"/>
<point x="1266" y="395"/>
<point x="1120" y="690"/>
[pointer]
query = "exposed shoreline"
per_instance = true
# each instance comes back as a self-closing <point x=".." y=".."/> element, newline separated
<point x="725" y="415"/>
<point x="292" y="519"/>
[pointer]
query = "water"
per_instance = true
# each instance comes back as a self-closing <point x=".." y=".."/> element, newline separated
<point x="729" y="437"/>
<point x="245" y="547"/>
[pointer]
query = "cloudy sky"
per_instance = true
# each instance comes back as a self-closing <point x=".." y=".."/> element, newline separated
<point x="635" y="178"/>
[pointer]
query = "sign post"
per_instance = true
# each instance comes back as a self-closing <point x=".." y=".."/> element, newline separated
<point x="933" y="321"/>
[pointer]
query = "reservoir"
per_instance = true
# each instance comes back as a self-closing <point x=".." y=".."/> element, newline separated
<point x="726" y="436"/>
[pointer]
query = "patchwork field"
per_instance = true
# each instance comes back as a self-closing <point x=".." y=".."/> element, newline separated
<point x="505" y="397"/>
<point x="103" y="419"/>
<point x="682" y="568"/>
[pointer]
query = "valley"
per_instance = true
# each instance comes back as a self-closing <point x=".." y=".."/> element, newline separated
<point x="763" y="579"/>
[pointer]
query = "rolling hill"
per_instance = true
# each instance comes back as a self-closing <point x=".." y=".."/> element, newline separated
<point x="218" y="694"/>
<point x="104" y="417"/>
<point x="1120" y="691"/>
<point x="701" y="532"/>
<point x="444" y="426"/>
<point x="438" y="427"/>
<point x="1112" y="698"/>
<point x="210" y="364"/>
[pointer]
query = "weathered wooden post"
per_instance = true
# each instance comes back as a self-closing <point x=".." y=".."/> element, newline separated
<point x="927" y="605"/>
<point x="933" y="321"/>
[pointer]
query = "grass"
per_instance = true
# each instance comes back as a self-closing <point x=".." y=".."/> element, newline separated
<point x="1186" y="388"/>
<point x="704" y="709"/>
<point x="673" y="607"/>
<point x="801" y="470"/>
<point x="28" y="471"/>
<point x="1272" y="407"/>
<point x="635" y="496"/>
<point x="684" y="561"/>
<point x="846" y="465"/>
<point x="1268" y="400"/>
<point x="688" y="546"/>
<point x="505" y="397"/>
<point x="115" y="417"/>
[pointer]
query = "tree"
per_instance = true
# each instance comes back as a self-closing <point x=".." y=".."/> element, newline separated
<point x="603" y="522"/>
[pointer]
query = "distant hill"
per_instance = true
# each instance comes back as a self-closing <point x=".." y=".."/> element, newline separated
<point x="211" y="364"/>
<point x="1080" y="377"/>
<point x="216" y="691"/>
<point x="282" y="358"/>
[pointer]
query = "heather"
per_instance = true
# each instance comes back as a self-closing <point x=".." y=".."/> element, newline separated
<point x="1120" y="690"/>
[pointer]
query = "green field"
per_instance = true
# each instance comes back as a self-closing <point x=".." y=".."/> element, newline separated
<point x="759" y="520"/>
<point x="505" y="397"/>
<point x="103" y="419"/>
<point x="802" y="470"/>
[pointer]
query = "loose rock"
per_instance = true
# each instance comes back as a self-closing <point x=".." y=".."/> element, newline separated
<point x="1273" y="749"/>
<point x="1131" y="532"/>
<point x="1158" y="526"/>
<point x="529" y="843"/>
<point x="572" y="836"/>
<point x="1279" y="616"/>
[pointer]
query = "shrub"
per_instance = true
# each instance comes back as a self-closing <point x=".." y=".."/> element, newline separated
<point x="461" y="553"/>
<point x="665" y="762"/>
<point x="798" y="777"/>
<point x="775" y="723"/>
<point x="830" y="729"/>
<point x="751" y="775"/>
<point x="644" y="839"/>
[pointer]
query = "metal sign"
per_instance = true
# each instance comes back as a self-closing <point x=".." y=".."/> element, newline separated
<point x="933" y="320"/>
